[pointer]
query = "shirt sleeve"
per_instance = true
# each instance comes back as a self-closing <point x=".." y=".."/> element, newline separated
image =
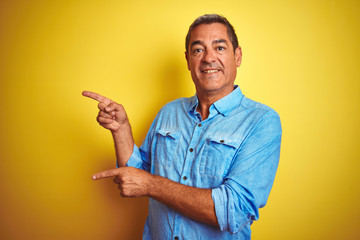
<point x="135" y="159"/>
<point x="140" y="157"/>
<point x="248" y="183"/>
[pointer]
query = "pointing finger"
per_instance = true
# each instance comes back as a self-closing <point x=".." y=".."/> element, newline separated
<point x="96" y="97"/>
<point x="106" y="174"/>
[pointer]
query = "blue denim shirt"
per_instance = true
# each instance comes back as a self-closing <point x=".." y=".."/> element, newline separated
<point x="235" y="152"/>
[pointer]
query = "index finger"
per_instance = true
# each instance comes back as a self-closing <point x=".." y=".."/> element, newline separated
<point x="96" y="97"/>
<point x="106" y="174"/>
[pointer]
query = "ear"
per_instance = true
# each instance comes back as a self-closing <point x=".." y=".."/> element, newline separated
<point x="238" y="56"/>
<point x="187" y="59"/>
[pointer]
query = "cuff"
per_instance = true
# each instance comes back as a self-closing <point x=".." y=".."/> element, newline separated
<point x="134" y="160"/>
<point x="220" y="208"/>
<point x="229" y="216"/>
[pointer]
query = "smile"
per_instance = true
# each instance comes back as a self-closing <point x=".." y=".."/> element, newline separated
<point x="210" y="71"/>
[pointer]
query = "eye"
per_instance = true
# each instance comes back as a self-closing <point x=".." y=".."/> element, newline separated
<point x="196" y="51"/>
<point x="221" y="48"/>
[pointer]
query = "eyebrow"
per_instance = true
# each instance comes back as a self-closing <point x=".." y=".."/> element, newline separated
<point x="213" y="42"/>
<point x="195" y="43"/>
<point x="220" y="41"/>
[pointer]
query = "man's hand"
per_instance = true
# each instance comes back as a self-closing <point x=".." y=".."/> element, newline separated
<point x="195" y="203"/>
<point x="132" y="182"/>
<point x="111" y="115"/>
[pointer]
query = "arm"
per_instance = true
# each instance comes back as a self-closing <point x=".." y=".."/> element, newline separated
<point x="192" y="202"/>
<point x="230" y="206"/>
<point x="113" y="116"/>
<point x="195" y="203"/>
<point x="250" y="178"/>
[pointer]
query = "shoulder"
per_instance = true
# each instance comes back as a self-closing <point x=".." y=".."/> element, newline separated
<point x="257" y="109"/>
<point x="177" y="104"/>
<point x="173" y="110"/>
<point x="260" y="108"/>
<point x="168" y="113"/>
<point x="261" y="115"/>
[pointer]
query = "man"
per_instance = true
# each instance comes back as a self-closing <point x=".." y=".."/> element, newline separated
<point x="208" y="162"/>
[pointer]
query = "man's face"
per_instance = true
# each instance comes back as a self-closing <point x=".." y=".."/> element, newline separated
<point x="211" y="60"/>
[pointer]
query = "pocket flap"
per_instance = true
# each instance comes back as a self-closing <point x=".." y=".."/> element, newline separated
<point x="235" y="143"/>
<point x="174" y="134"/>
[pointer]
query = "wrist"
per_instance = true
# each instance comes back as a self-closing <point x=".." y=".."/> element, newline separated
<point x="152" y="184"/>
<point x="123" y="135"/>
<point x="122" y="127"/>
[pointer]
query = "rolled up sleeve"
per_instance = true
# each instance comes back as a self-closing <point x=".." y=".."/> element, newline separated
<point x="248" y="183"/>
<point x="140" y="157"/>
<point x="135" y="159"/>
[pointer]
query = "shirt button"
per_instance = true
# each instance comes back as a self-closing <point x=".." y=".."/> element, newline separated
<point x="176" y="238"/>
<point x="222" y="141"/>
<point x="184" y="177"/>
<point x="191" y="150"/>
<point x="199" y="124"/>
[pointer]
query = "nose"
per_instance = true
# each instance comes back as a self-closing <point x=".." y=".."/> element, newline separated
<point x="209" y="56"/>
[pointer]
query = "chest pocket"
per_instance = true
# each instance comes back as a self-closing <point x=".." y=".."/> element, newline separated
<point x="167" y="142"/>
<point x="217" y="155"/>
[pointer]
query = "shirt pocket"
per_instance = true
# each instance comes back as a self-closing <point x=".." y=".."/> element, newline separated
<point x="167" y="142"/>
<point x="217" y="155"/>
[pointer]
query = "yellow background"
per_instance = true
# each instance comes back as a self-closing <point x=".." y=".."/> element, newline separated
<point x="299" y="57"/>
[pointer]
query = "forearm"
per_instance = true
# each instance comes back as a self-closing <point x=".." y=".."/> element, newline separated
<point x="124" y="144"/>
<point x="195" y="203"/>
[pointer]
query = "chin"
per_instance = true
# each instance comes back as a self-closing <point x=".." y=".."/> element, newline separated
<point x="213" y="88"/>
<point x="216" y="87"/>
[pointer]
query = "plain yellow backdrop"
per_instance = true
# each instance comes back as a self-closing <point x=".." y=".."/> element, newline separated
<point x="299" y="57"/>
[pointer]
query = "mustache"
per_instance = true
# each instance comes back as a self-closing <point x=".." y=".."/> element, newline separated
<point x="206" y="66"/>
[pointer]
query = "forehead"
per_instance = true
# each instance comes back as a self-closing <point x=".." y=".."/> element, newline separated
<point x="209" y="33"/>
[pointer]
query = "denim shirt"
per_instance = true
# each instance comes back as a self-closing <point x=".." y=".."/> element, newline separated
<point x="235" y="152"/>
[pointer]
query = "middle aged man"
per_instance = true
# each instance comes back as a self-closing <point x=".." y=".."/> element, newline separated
<point x="208" y="162"/>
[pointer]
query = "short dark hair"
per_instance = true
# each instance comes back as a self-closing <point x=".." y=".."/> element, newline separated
<point x="213" y="18"/>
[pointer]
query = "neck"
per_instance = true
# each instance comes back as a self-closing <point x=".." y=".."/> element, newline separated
<point x="203" y="109"/>
<point x="206" y="100"/>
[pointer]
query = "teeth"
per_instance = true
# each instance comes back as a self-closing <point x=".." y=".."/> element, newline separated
<point x="210" y="71"/>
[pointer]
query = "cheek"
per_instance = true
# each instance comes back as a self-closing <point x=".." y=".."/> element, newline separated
<point x="230" y="64"/>
<point x="194" y="67"/>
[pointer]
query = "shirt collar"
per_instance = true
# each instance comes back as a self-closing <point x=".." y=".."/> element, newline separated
<point x="224" y="105"/>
